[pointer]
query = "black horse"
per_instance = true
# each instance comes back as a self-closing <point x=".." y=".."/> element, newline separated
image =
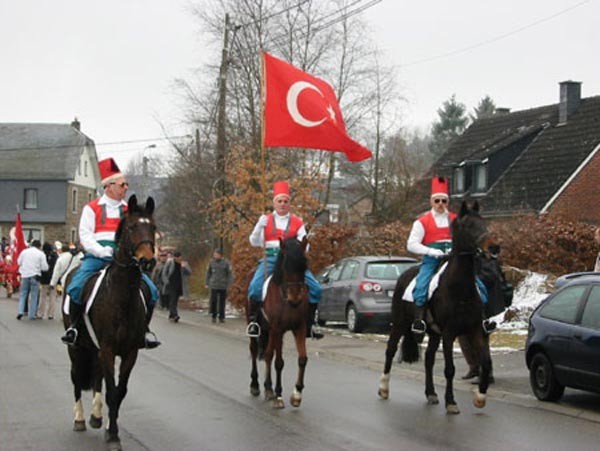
<point x="118" y="318"/>
<point x="455" y="309"/>
<point x="285" y="308"/>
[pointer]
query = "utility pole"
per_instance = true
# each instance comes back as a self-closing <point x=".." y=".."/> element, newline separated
<point x="221" y="116"/>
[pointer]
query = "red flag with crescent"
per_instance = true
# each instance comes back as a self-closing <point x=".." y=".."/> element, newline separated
<point x="301" y="110"/>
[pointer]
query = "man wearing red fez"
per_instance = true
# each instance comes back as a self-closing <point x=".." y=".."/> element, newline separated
<point x="97" y="227"/>
<point x="267" y="232"/>
<point x="430" y="237"/>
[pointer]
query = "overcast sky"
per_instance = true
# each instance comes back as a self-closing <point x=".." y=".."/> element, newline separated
<point x="112" y="63"/>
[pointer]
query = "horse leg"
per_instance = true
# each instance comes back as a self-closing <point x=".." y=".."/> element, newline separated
<point x="95" y="420"/>
<point x="300" y="336"/>
<point x="485" y="363"/>
<point x="269" y="394"/>
<point x="79" y="420"/>
<point x="390" y="352"/>
<point x="449" y="370"/>
<point x="432" y="346"/>
<point x="278" y="403"/>
<point x="254" y="386"/>
<point x="107" y="359"/>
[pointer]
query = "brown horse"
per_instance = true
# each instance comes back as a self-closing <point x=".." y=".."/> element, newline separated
<point x="455" y="309"/>
<point x="118" y="319"/>
<point x="284" y="308"/>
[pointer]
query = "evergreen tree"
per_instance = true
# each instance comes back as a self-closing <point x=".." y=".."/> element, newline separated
<point x="485" y="108"/>
<point x="452" y="122"/>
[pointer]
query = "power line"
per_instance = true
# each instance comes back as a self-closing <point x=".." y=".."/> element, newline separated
<point x="496" y="38"/>
<point x="289" y="8"/>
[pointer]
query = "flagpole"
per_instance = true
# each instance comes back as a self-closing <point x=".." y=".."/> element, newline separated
<point x="263" y="182"/>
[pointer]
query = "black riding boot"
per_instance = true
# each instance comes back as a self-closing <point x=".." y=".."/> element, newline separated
<point x="418" y="326"/>
<point x="75" y="315"/>
<point x="150" y="340"/>
<point x="253" y="329"/>
<point x="310" y="323"/>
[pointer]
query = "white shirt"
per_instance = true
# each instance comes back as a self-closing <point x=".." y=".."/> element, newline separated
<point x="87" y="225"/>
<point x="32" y="262"/>
<point x="417" y="233"/>
<point x="65" y="263"/>
<point x="257" y="237"/>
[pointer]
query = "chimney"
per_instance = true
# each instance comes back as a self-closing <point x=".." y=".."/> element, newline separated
<point x="499" y="111"/>
<point x="570" y="97"/>
<point x="76" y="124"/>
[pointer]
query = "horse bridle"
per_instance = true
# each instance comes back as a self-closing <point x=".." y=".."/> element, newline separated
<point x="144" y="263"/>
<point x="284" y="297"/>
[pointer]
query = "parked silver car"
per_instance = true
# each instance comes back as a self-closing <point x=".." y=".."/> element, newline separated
<point x="359" y="290"/>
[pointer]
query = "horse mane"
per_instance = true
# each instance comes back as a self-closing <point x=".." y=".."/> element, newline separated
<point x="462" y="238"/>
<point x="291" y="260"/>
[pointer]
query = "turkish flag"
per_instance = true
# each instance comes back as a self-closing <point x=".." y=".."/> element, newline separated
<point x="19" y="243"/>
<point x="301" y="110"/>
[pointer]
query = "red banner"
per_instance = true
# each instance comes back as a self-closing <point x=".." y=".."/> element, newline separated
<point x="301" y="110"/>
<point x="19" y="240"/>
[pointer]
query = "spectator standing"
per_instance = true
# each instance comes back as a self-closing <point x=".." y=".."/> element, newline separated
<point x="32" y="262"/>
<point x="172" y="277"/>
<point x="218" y="278"/>
<point x="47" y="297"/>
<point x="157" y="279"/>
<point x="68" y="260"/>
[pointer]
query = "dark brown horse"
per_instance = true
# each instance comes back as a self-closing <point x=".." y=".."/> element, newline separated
<point x="284" y="308"/>
<point x="118" y="318"/>
<point x="455" y="309"/>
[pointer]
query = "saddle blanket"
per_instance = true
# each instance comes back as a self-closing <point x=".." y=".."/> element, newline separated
<point x="435" y="281"/>
<point x="265" y="286"/>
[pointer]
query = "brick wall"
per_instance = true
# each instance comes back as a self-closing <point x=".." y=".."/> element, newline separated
<point x="579" y="201"/>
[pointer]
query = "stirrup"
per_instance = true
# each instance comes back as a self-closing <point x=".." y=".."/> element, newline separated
<point x="418" y="327"/>
<point x="151" y="344"/>
<point x="488" y="326"/>
<point x="66" y="337"/>
<point x="248" y="332"/>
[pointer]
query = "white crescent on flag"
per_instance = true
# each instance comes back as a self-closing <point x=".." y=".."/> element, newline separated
<point x="292" y="103"/>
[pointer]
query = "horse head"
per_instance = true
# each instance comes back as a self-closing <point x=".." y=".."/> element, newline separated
<point x="135" y="235"/>
<point x="290" y="268"/>
<point x="469" y="231"/>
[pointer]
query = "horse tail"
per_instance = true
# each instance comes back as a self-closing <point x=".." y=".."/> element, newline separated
<point x="409" y="351"/>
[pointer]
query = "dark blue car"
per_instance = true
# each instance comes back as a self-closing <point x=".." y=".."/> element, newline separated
<point x="563" y="340"/>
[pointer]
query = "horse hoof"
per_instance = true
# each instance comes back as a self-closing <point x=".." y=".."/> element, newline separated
<point x="255" y="391"/>
<point x="269" y="395"/>
<point x="114" y="446"/>
<point x="452" y="409"/>
<point x="278" y="403"/>
<point x="295" y="401"/>
<point x="79" y="425"/>
<point x="383" y="394"/>
<point x="94" y="422"/>
<point x="478" y="399"/>
<point x="432" y="400"/>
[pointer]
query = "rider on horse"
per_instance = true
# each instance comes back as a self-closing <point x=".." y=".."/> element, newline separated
<point x="99" y="222"/>
<point x="430" y="237"/>
<point x="269" y="229"/>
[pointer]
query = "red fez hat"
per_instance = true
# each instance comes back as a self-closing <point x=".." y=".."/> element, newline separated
<point x="281" y="188"/>
<point x="108" y="171"/>
<point x="439" y="186"/>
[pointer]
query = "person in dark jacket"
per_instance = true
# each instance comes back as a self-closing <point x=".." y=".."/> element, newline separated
<point x="47" y="294"/>
<point x="218" y="278"/>
<point x="172" y="276"/>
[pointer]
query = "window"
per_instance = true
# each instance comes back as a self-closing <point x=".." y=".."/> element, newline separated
<point x="89" y="197"/>
<point x="85" y="168"/>
<point x="74" y="200"/>
<point x="350" y="270"/>
<point x="480" y="174"/>
<point x="334" y="274"/>
<point x="591" y="314"/>
<point x="31" y="199"/>
<point x="563" y="307"/>
<point x="459" y="180"/>
<point x="31" y="234"/>
<point x="73" y="236"/>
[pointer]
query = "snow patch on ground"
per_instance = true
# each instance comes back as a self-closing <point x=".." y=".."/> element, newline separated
<point x="527" y="296"/>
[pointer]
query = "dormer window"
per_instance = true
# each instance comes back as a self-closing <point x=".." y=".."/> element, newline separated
<point x="480" y="178"/>
<point x="459" y="180"/>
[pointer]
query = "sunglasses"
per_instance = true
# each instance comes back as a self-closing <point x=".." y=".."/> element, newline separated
<point x="122" y="185"/>
<point x="444" y="201"/>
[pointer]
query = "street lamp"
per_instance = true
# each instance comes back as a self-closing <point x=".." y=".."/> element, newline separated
<point x="145" y="171"/>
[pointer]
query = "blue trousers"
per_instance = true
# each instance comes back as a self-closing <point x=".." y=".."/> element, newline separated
<point x="429" y="266"/>
<point x="255" y="288"/>
<point x="91" y="265"/>
<point x="29" y="287"/>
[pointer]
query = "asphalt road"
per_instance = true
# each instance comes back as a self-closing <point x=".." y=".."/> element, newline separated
<point x="192" y="393"/>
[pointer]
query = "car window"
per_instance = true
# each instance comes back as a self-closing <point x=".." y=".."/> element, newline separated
<point x="563" y="306"/>
<point x="350" y="270"/>
<point x="334" y="274"/>
<point x="591" y="314"/>
<point x="386" y="270"/>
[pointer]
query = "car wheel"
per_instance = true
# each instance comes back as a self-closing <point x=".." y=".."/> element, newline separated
<point x="543" y="381"/>
<point x="355" y="324"/>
